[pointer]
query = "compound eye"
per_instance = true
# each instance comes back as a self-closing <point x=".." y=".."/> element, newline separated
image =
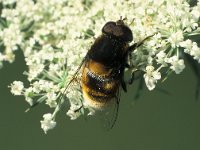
<point x="118" y="31"/>
<point x="109" y="27"/>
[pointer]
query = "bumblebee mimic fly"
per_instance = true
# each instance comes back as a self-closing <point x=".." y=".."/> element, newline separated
<point x="102" y="69"/>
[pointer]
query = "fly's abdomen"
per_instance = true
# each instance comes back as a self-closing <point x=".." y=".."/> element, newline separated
<point x="98" y="89"/>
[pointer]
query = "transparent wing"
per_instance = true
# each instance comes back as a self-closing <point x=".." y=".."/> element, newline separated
<point x="62" y="94"/>
<point x="108" y="116"/>
<point x="74" y="78"/>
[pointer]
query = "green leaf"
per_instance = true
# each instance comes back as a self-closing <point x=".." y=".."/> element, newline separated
<point x="3" y="23"/>
<point x="26" y="27"/>
<point x="87" y="3"/>
<point x="89" y="33"/>
<point x="98" y="15"/>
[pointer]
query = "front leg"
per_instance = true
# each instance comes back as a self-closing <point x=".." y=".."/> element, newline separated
<point x="123" y="84"/>
<point x="136" y="45"/>
<point x="132" y="78"/>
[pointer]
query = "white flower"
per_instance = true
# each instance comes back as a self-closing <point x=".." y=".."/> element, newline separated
<point x="187" y="45"/>
<point x="10" y="57"/>
<point x="48" y="123"/>
<point x="36" y="87"/>
<point x="196" y="12"/>
<point x="11" y="37"/>
<point x="151" y="76"/>
<point x="51" y="99"/>
<point x="27" y="93"/>
<point x="17" y="87"/>
<point x="177" y="64"/>
<point x="176" y="38"/>
<point x="35" y="70"/>
<point x="73" y="112"/>
<point x="8" y="2"/>
<point x="46" y="85"/>
<point x="2" y="57"/>
<point x="29" y="100"/>
<point x="195" y="51"/>
<point x="162" y="58"/>
<point x="192" y="49"/>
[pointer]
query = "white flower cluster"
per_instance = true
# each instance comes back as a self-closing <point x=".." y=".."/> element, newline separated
<point x="48" y="122"/>
<point x="55" y="35"/>
<point x="17" y="87"/>
<point x="191" y="48"/>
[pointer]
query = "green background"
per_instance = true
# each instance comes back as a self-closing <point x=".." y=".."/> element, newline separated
<point x="156" y="122"/>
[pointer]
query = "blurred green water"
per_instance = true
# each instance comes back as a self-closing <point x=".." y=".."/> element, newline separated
<point x="156" y="122"/>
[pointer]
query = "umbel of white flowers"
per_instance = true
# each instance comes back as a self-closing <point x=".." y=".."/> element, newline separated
<point x="54" y="42"/>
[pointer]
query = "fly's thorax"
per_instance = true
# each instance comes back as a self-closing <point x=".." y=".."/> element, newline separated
<point x="107" y="50"/>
